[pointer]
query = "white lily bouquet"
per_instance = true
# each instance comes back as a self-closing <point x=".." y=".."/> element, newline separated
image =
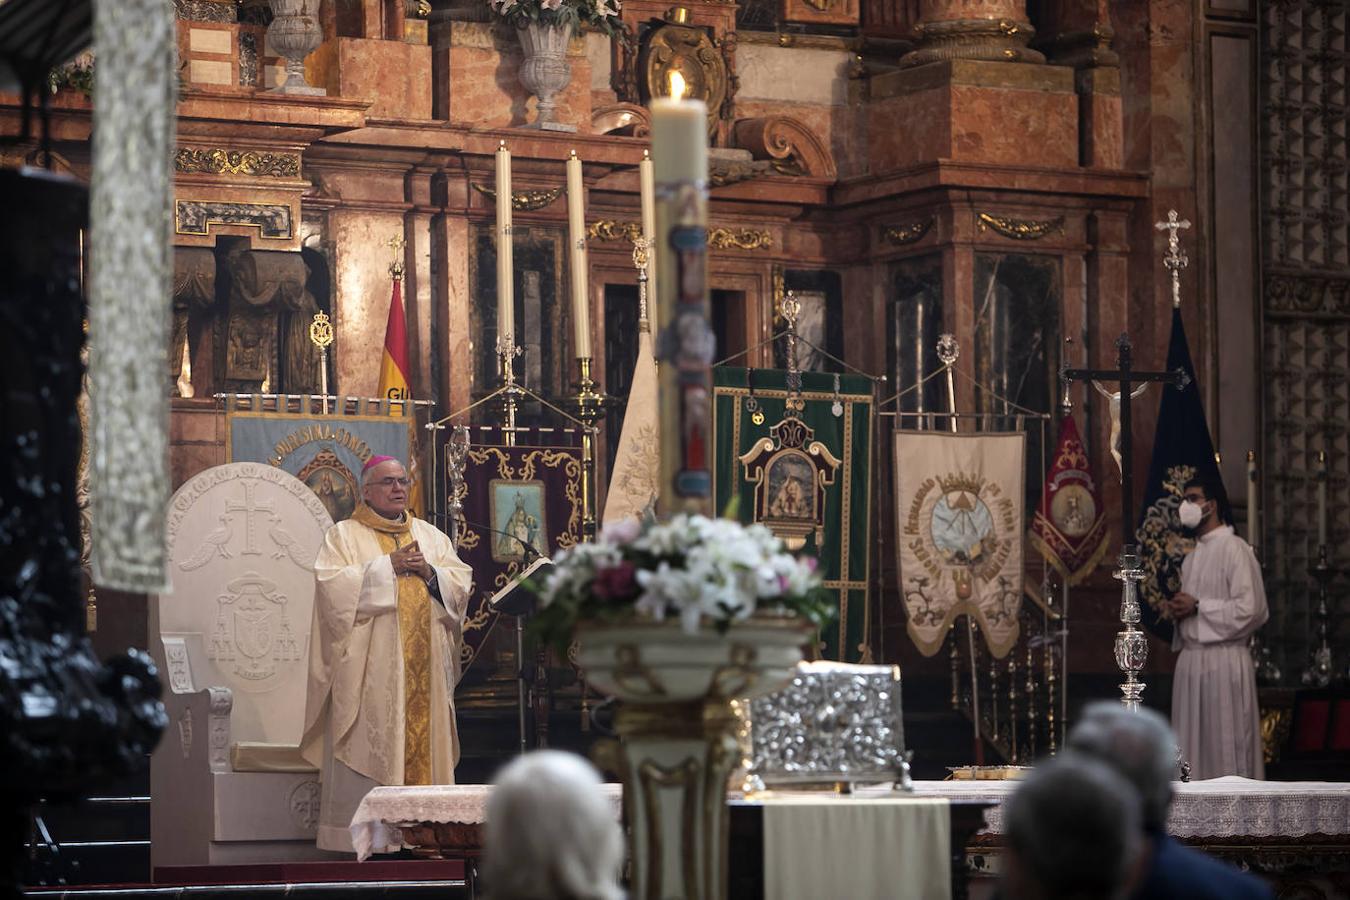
<point x="696" y="569"/>
<point x="602" y="15"/>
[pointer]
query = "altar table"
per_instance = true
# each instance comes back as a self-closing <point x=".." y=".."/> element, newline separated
<point x="774" y="838"/>
<point x="1289" y="832"/>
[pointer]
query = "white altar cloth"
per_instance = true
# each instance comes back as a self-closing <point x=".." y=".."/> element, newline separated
<point x="375" y="826"/>
<point x="1217" y="807"/>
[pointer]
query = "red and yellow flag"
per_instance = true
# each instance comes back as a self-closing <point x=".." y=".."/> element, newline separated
<point x="394" y="381"/>
<point x="394" y="361"/>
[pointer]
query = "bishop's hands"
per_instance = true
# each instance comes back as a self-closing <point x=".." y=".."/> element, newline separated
<point x="410" y="561"/>
<point x="1182" y="605"/>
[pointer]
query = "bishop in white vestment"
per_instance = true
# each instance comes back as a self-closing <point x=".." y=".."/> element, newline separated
<point x="1220" y="604"/>
<point x="389" y="608"/>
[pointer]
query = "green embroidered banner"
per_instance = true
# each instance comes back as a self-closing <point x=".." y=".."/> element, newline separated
<point x="807" y="477"/>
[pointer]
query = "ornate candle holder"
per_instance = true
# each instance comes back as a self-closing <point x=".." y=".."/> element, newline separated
<point x="1131" y="643"/>
<point x="507" y="351"/>
<point x="589" y="404"/>
<point x="1319" y="671"/>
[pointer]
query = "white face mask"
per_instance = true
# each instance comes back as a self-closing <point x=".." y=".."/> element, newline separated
<point x="1190" y="513"/>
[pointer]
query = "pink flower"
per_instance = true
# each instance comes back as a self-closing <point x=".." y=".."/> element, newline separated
<point x="615" y="582"/>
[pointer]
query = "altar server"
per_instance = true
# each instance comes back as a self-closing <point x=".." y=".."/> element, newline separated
<point x="1220" y="604"/>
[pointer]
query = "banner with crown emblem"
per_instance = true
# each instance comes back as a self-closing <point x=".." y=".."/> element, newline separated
<point x="1069" y="527"/>
<point x="959" y="521"/>
<point x="800" y="463"/>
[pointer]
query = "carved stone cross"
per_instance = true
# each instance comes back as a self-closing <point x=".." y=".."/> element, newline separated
<point x="248" y="508"/>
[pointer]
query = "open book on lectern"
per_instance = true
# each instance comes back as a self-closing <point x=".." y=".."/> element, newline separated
<point x="517" y="599"/>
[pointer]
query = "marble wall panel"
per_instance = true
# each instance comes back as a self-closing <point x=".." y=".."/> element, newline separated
<point x="361" y="68"/>
<point x="361" y="294"/>
<point x="793" y="74"/>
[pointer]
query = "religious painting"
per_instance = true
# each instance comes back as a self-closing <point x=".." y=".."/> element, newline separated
<point x="807" y="477"/>
<point x="518" y="520"/>
<point x="531" y="492"/>
<point x="790" y="471"/>
<point x="959" y="518"/>
<point x="325" y="452"/>
<point x="333" y="483"/>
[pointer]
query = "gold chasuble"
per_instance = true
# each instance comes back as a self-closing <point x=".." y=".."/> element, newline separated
<point x="383" y="664"/>
<point x="414" y="629"/>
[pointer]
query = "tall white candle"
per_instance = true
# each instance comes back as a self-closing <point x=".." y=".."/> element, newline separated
<point x="576" y="239"/>
<point x="648" y="182"/>
<point x="1253" y="501"/>
<point x="1322" y="498"/>
<point x="506" y="304"/>
<point x="680" y="158"/>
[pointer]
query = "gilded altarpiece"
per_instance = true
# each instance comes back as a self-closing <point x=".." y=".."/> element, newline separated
<point x="775" y="482"/>
<point x="512" y="498"/>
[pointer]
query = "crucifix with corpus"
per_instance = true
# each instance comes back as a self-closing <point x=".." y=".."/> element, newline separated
<point x="1131" y="646"/>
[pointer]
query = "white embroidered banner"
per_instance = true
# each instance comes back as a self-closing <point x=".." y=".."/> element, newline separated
<point x="959" y="500"/>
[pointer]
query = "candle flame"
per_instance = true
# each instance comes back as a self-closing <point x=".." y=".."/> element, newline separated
<point x="677" y="87"/>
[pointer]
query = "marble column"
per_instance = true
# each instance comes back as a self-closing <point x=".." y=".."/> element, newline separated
<point x="991" y="30"/>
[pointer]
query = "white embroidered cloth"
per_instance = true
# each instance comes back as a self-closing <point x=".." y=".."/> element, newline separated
<point x="375" y="826"/>
<point x="1217" y="807"/>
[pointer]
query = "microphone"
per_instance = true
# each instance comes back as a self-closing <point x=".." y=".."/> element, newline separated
<point x="531" y="552"/>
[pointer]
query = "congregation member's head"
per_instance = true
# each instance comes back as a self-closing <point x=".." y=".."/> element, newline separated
<point x="551" y="834"/>
<point x="1140" y="745"/>
<point x="384" y="486"/>
<point x="1073" y="833"/>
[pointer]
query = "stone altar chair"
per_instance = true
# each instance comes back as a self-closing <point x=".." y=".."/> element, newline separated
<point x="231" y="636"/>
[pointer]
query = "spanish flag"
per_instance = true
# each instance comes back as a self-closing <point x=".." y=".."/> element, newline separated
<point x="394" y="362"/>
<point x="394" y="381"/>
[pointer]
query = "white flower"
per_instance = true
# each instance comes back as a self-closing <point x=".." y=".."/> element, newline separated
<point x="624" y="531"/>
<point x="551" y="4"/>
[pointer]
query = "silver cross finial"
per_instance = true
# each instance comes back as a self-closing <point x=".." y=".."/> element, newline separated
<point x="1175" y="260"/>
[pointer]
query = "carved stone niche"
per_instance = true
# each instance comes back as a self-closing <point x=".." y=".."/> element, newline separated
<point x="790" y="147"/>
<point x="259" y="286"/>
<point x="699" y="41"/>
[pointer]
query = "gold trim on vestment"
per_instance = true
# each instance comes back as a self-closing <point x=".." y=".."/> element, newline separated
<point x="414" y="632"/>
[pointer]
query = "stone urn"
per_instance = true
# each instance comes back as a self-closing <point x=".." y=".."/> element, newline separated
<point x="544" y="69"/>
<point x="678" y="735"/>
<point x="295" y="32"/>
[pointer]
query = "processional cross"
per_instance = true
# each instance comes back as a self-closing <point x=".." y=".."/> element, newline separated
<point x="1131" y="645"/>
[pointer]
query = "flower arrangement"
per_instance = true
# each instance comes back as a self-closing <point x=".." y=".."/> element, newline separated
<point x="695" y="568"/>
<point x="602" y="15"/>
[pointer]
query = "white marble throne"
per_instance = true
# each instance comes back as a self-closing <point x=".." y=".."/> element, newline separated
<point x="231" y="637"/>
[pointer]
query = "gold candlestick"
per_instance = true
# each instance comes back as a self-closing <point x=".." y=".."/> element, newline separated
<point x="590" y="405"/>
<point x="321" y="336"/>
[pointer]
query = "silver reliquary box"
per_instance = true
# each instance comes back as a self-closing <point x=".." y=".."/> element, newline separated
<point x="835" y="724"/>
